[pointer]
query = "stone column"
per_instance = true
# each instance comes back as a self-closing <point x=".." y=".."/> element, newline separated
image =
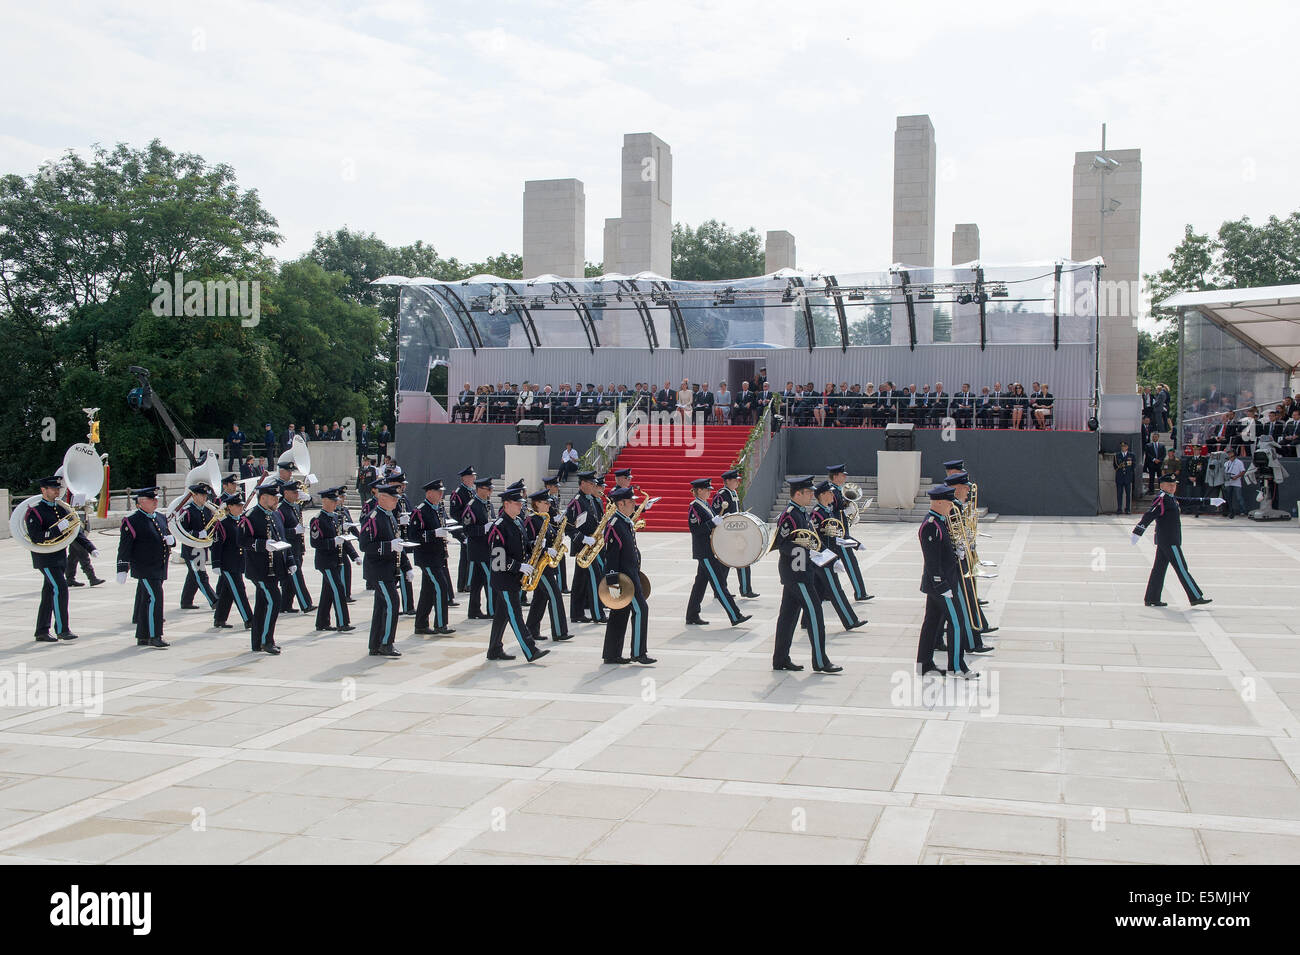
<point x="555" y="221"/>
<point x="915" y="177"/>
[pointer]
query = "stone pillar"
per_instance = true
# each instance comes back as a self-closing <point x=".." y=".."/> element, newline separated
<point x="965" y="243"/>
<point x="555" y="222"/>
<point x="778" y="252"/>
<point x="611" y="263"/>
<point x="1106" y="221"/>
<point x="645" y="232"/>
<point x="965" y="318"/>
<point x="915" y="177"/>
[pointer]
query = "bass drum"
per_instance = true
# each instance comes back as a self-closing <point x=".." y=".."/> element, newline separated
<point x="740" y="540"/>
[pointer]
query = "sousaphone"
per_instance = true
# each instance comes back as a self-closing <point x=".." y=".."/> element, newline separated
<point x="209" y="473"/>
<point x="83" y="474"/>
<point x="298" y="459"/>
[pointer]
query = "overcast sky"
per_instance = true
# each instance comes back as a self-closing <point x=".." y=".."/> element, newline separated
<point x="422" y="120"/>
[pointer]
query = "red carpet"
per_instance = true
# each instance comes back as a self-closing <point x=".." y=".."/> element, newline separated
<point x="667" y="468"/>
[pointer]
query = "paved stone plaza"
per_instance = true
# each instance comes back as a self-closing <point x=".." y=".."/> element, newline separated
<point x="1105" y="731"/>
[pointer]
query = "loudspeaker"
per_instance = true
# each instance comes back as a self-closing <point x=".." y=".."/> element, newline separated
<point x="899" y="437"/>
<point x="530" y="431"/>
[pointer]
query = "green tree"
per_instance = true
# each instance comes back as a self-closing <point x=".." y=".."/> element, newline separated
<point x="716" y="251"/>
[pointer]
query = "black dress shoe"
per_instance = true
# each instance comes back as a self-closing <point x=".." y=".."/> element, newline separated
<point x="69" y="635"/>
<point x="645" y="659"/>
<point x="75" y="583"/>
<point x="828" y="668"/>
<point x="788" y="665"/>
<point x="222" y="625"/>
<point x="500" y="655"/>
<point x="854" y="626"/>
<point x="1156" y="603"/>
<point x="271" y="648"/>
<point x="248" y="625"/>
<point x="346" y="627"/>
<point x="866" y="597"/>
<point x="404" y="613"/>
<point x="619" y="660"/>
<point x="96" y="581"/>
<point x="537" y="636"/>
<point x="538" y="654"/>
<point x="444" y="630"/>
<point x="326" y="627"/>
<point x="46" y="638"/>
<point x="982" y="648"/>
<point x="282" y="610"/>
<point x="350" y="600"/>
<point x="424" y="631"/>
<point x="160" y="643"/>
<point x="941" y="648"/>
<point x="138" y="642"/>
<point x="697" y="621"/>
<point x="751" y="596"/>
<point x="453" y="603"/>
<point x="987" y="630"/>
<point x="562" y="636"/>
<point x="984" y="603"/>
<point x="188" y="607"/>
<point x="743" y="617"/>
<point x="927" y="670"/>
<point x="1201" y="600"/>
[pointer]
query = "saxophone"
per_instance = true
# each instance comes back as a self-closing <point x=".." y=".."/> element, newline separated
<point x="585" y="557"/>
<point x="537" y="559"/>
<point x="637" y="523"/>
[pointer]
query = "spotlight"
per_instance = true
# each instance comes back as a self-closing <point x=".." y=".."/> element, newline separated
<point x="598" y="301"/>
<point x="964" y="298"/>
<point x="997" y="291"/>
<point x="726" y="297"/>
<point x="537" y="302"/>
<point x="856" y="295"/>
<point x="925" y="294"/>
<point x="788" y="295"/>
<point x="1092" y="423"/>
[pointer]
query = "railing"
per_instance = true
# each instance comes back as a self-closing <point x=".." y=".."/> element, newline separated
<point x="873" y="411"/>
<point x="609" y="440"/>
<point x="751" y="455"/>
<point x="1199" y="429"/>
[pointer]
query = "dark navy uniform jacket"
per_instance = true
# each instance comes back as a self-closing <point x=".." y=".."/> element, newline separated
<point x="258" y="526"/>
<point x="425" y="520"/>
<point x="792" y="519"/>
<point x="941" y="572"/>
<point x="621" y="554"/>
<point x="699" y="517"/>
<point x="1164" y="510"/>
<point x="476" y="518"/>
<point x="382" y="556"/>
<point x="141" y="548"/>
<point x="326" y="529"/>
<point x="42" y="525"/>
<point x="227" y="548"/>
<point x="505" y="544"/>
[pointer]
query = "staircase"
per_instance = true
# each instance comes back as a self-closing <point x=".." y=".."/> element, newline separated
<point x="873" y="514"/>
<point x="666" y="471"/>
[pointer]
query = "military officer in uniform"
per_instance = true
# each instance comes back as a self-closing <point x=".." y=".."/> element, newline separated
<point x="1125" y="471"/>
<point x="709" y="571"/>
<point x="547" y="595"/>
<point x="508" y="560"/>
<point x="268" y="562"/>
<point x="838" y="476"/>
<point x="475" y="518"/>
<point x="44" y="522"/>
<point x="941" y="584"/>
<point x="428" y="530"/>
<point x="459" y="500"/>
<point x="724" y="503"/>
<point x="326" y="540"/>
<point x="296" y="535"/>
<point x="622" y="556"/>
<point x="143" y="546"/>
<point x="552" y="485"/>
<point x="798" y="572"/>
<point x="1165" y="512"/>
<point x="828" y="582"/>
<point x="584" y="513"/>
<point x="194" y="518"/>
<point x="381" y="547"/>
<point x="228" y="561"/>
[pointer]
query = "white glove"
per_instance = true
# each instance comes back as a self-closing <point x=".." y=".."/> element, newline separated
<point x="64" y="524"/>
<point x="404" y="519"/>
<point x="440" y="532"/>
<point x="526" y="568"/>
<point x="293" y="569"/>
<point x="276" y="546"/>
<point x="1217" y="501"/>
<point x="589" y="541"/>
<point x="299" y="530"/>
<point x="410" y="575"/>
<point x="202" y="535"/>
<point x="552" y="553"/>
<point x="1132" y="538"/>
<point x="716" y="520"/>
<point x="946" y="593"/>
<point x="846" y="542"/>
<point x="170" y="541"/>
<point x="121" y="576"/>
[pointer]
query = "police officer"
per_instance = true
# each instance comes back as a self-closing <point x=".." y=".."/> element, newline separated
<point x="622" y="556"/>
<point x="837" y="474"/>
<point x="45" y="521"/>
<point x="427" y="529"/>
<point x="227" y="555"/>
<point x="296" y="535"/>
<point x="143" y="546"/>
<point x="584" y="513"/>
<point x="552" y="485"/>
<point x="798" y="572"/>
<point x="508" y="562"/>
<point x="941" y="584"/>
<point x="194" y="518"/>
<point x="1164" y="510"/>
<point x="476" y="517"/>
<point x="828" y="582"/>
<point x="381" y="545"/>
<point x="460" y="499"/>
<point x="725" y="503"/>
<point x="709" y="571"/>
<point x="547" y="593"/>
<point x="267" y="562"/>
<point x="326" y="540"/>
<point x="1125" y="470"/>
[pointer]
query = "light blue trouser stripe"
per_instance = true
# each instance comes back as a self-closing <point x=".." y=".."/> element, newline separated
<point x="437" y="597"/>
<point x="487" y="584"/>
<point x="303" y="601"/>
<point x="1180" y="565"/>
<point x="721" y="592"/>
<point x="597" y="608"/>
<point x="638" y="629"/>
<point x="964" y="602"/>
<point x="955" y="638"/>
<point x="388" y="614"/>
<point x="58" y="618"/>
<point x="201" y="581"/>
<point x="742" y="579"/>
<point x="270" y="607"/>
<point x="234" y="593"/>
<point x="812" y="625"/>
<point x="837" y="594"/>
<point x="855" y="574"/>
<point x="406" y="590"/>
<point x="514" y="625"/>
<point x="153" y="600"/>
<point x="554" y="599"/>
<point x="338" y="598"/>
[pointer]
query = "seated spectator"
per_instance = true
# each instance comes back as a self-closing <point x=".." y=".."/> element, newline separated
<point x="666" y="398"/>
<point x="568" y="462"/>
<point x="1291" y="434"/>
<point x="704" y="403"/>
<point x="962" y="407"/>
<point x="722" y="404"/>
<point x="685" y="401"/>
<point x="480" y="403"/>
<point x="1043" y="402"/>
<point x="746" y="404"/>
<point x="1019" y="403"/>
<point x="940" y="406"/>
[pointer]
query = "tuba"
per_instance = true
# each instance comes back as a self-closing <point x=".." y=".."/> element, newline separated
<point x="209" y="472"/>
<point x="83" y="473"/>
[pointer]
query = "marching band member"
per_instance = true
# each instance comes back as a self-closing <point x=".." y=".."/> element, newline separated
<point x="505" y="544"/>
<point x="727" y="501"/>
<point x="475" y="518"/>
<point x="623" y="557"/>
<point x="828" y="582"/>
<point x="427" y="529"/>
<point x="143" y="546"/>
<point x="798" y="571"/>
<point x="45" y="521"/>
<point x="584" y="513"/>
<point x="350" y="553"/>
<point x="941" y="583"/>
<point x="547" y="595"/>
<point x="552" y="484"/>
<point x="268" y="560"/>
<point x="381" y="544"/>
<point x="326" y="529"/>
<point x="296" y="536"/>
<point x="228" y="561"/>
<point x="838" y="476"/>
<point x="977" y="623"/>
<point x="194" y="518"/>
<point x="1164" y="510"/>
<point x="623" y="478"/>
<point x="460" y="499"/>
<point x="397" y="478"/>
<point x="709" y="571"/>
